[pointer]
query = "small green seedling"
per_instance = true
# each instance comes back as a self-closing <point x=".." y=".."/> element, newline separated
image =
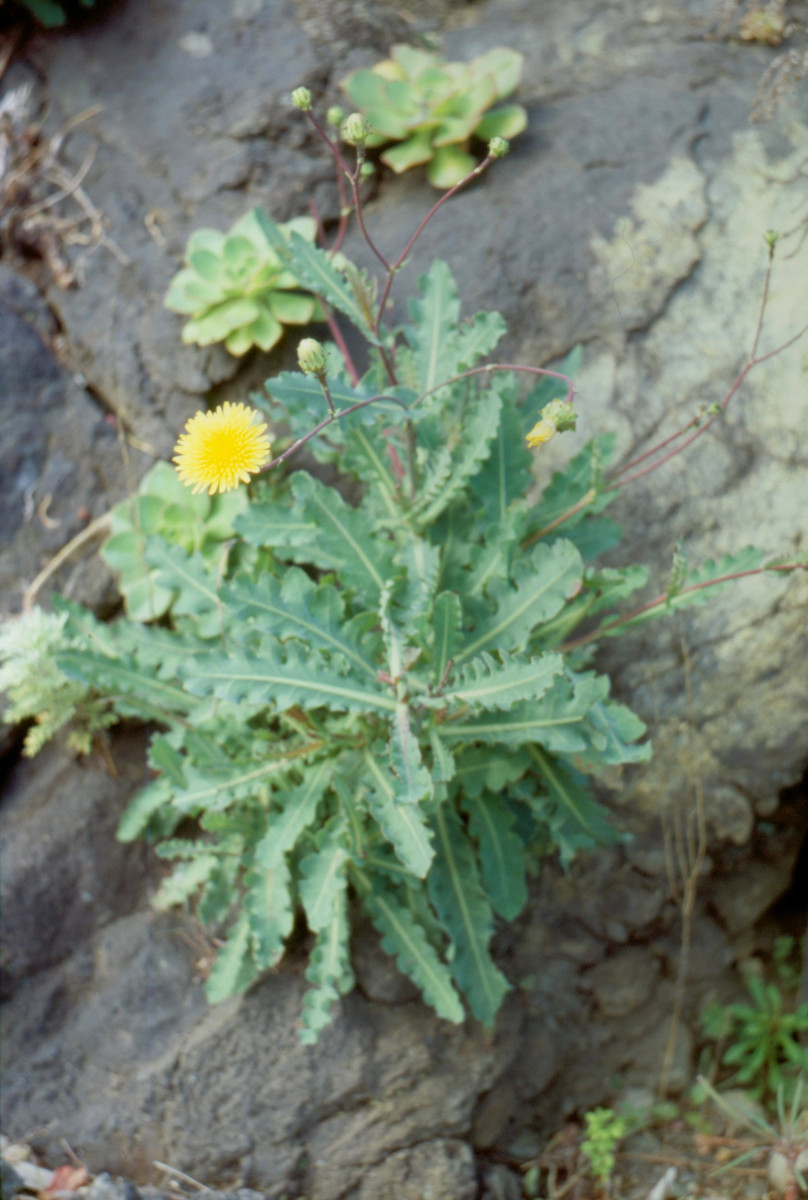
<point x="604" y="1129"/>
<point x="236" y="289"/>
<point x="432" y="108"/>
<point x="762" y="1039"/>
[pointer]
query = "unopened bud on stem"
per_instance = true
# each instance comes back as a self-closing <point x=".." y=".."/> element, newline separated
<point x="301" y="98"/>
<point x="355" y="129"/>
<point x="498" y="147"/>
<point x="561" y="413"/>
<point x="311" y="358"/>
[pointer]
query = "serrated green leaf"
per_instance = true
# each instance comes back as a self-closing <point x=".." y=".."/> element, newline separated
<point x="406" y="941"/>
<point x="268" y="902"/>
<point x="402" y="824"/>
<point x="314" y="270"/>
<point x="193" y="583"/>
<point x="164" y="757"/>
<point x="233" y="969"/>
<point x="283" y="678"/>
<point x="434" y="318"/>
<point x="136" y="692"/>
<point x="614" y="728"/>
<point x="296" y="607"/>
<point x="543" y="581"/>
<point x="557" y="721"/>
<point x="347" y="539"/>
<point x="322" y="878"/>
<point x="298" y="813"/>
<point x="506" y="474"/>
<point x="138" y="812"/>
<point x="413" y="783"/>
<point x="748" y="559"/>
<point x="443" y="763"/>
<point x="329" y="972"/>
<point x="472" y="449"/>
<point x="499" y="682"/>
<point x="184" y="880"/>
<point x="502" y="853"/>
<point x="479" y="769"/>
<point x="446" y="621"/>
<point x="576" y="820"/>
<point x="211" y="789"/>
<point x="454" y="887"/>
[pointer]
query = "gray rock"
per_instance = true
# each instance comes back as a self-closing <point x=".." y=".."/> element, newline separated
<point x="623" y="982"/>
<point x="64" y="874"/>
<point x="442" y="1169"/>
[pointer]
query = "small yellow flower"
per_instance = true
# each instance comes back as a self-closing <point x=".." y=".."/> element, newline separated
<point x="540" y="433"/>
<point x="221" y="449"/>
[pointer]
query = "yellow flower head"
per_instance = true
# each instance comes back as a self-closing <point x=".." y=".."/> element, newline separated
<point x="540" y="433"/>
<point x="221" y="449"/>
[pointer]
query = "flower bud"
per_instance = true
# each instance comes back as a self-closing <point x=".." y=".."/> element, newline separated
<point x="561" y="414"/>
<point x="541" y="432"/>
<point x="301" y="98"/>
<point x="355" y="129"/>
<point x="366" y="170"/>
<point x="771" y="237"/>
<point x="311" y="357"/>
<point x="498" y="147"/>
<point x="335" y="115"/>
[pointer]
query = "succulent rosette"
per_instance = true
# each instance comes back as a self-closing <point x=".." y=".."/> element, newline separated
<point x="235" y="288"/>
<point x="432" y="108"/>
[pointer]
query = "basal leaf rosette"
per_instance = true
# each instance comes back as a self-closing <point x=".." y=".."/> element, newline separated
<point x="235" y="288"/>
<point x="432" y="108"/>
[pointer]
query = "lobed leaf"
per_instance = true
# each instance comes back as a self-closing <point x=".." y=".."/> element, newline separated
<point x="543" y="581"/>
<point x="406" y="941"/>
<point x="502" y="853"/>
<point x="498" y="682"/>
<point x="403" y="825"/>
<point x="454" y="887"/>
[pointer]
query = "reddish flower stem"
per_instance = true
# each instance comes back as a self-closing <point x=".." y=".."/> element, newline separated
<point x="490" y="367"/>
<point x="329" y="420"/>
<point x="478" y="170"/>
<point x="663" y="598"/>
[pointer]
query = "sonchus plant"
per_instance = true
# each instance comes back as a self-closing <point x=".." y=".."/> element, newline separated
<point x="236" y="289"/>
<point x="432" y="108"/>
<point x="381" y="703"/>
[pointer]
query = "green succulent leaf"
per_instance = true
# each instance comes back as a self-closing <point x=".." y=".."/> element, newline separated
<point x="449" y="166"/>
<point x="413" y="152"/>
<point x="507" y="121"/>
